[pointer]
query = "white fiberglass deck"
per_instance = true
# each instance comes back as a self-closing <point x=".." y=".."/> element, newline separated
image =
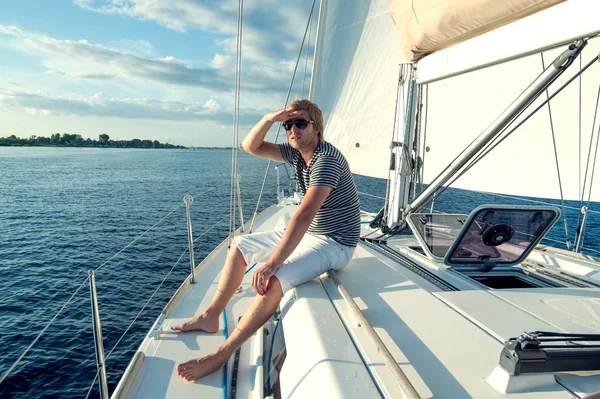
<point x="447" y="342"/>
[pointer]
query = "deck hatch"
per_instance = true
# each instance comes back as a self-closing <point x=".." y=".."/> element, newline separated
<point x="499" y="235"/>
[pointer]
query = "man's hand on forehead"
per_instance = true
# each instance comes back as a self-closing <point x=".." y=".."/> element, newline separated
<point x="283" y="115"/>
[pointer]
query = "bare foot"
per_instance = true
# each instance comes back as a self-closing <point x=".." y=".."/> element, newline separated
<point x="200" y="322"/>
<point x="195" y="369"/>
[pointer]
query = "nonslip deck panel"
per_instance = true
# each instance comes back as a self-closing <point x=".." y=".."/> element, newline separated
<point x="433" y="351"/>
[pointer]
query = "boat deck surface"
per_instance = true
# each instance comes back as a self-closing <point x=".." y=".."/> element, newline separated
<point x="447" y="342"/>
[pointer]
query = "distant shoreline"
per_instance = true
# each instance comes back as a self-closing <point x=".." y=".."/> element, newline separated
<point x="173" y="147"/>
<point x="76" y="140"/>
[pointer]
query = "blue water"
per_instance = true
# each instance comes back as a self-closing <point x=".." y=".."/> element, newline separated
<point x="65" y="211"/>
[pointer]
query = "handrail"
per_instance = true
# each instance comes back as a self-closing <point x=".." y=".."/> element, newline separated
<point x="405" y="385"/>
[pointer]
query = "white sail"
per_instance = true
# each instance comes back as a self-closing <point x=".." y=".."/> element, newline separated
<point x="546" y="29"/>
<point x="428" y="26"/>
<point x="461" y="107"/>
<point x="355" y="82"/>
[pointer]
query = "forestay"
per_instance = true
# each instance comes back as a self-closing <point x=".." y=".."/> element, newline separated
<point x="355" y="81"/>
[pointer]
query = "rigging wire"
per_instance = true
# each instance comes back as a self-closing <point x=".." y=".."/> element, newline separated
<point x="235" y="146"/>
<point x="279" y="128"/>
<point x="307" y="54"/>
<point x="161" y="284"/>
<point x="415" y="177"/>
<point x="493" y="143"/>
<point x="487" y="145"/>
<point x="587" y="165"/>
<point x="424" y="138"/>
<point x="402" y="78"/>
<point x="530" y="200"/>
<point x="371" y="195"/>
<point x="16" y="363"/>
<point x="92" y="385"/>
<point x="152" y="296"/>
<point x="144" y="233"/>
<point x="579" y="147"/>
<point x="593" y="171"/>
<point x="562" y="198"/>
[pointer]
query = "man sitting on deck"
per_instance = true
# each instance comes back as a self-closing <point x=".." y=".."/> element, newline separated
<point x="329" y="213"/>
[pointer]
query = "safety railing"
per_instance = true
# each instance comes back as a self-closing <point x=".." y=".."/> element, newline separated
<point x="101" y="374"/>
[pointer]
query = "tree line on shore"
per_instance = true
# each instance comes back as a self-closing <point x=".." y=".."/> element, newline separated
<point x="75" y="140"/>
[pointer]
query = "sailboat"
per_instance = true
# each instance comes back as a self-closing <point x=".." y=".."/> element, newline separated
<point x="428" y="94"/>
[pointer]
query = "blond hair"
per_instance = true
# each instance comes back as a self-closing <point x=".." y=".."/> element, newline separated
<point x="314" y="113"/>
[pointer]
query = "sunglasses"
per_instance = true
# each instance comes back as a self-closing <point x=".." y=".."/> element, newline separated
<point x="299" y="123"/>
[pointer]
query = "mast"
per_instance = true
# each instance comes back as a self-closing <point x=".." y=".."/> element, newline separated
<point x="317" y="47"/>
<point x="402" y="145"/>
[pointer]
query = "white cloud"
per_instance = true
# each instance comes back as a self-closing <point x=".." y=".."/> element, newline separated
<point x="36" y="102"/>
<point x="95" y="61"/>
<point x="270" y="31"/>
<point x="212" y="105"/>
<point x="221" y="61"/>
<point x="101" y="59"/>
<point x="81" y="75"/>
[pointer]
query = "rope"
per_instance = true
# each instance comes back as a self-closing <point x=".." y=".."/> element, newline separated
<point x="15" y="364"/>
<point x="562" y="199"/>
<point x="226" y="333"/>
<point x="287" y="98"/>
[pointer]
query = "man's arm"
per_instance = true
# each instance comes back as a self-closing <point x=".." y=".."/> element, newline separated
<point x="255" y="143"/>
<point x="297" y="227"/>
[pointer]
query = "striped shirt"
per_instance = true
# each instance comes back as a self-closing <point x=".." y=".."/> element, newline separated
<point x="339" y="216"/>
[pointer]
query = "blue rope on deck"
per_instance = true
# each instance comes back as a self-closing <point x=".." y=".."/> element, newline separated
<point x="251" y="267"/>
<point x="225" y="366"/>
<point x="271" y="355"/>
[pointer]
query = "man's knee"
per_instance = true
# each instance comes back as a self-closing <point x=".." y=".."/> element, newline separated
<point x="274" y="287"/>
<point x="236" y="254"/>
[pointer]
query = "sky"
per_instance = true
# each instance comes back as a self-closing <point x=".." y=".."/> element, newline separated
<point x="149" y="69"/>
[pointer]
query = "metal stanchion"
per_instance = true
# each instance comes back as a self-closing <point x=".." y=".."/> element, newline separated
<point x="279" y="198"/>
<point x="100" y="364"/>
<point x="239" y="195"/>
<point x="579" y="245"/>
<point x="188" y="199"/>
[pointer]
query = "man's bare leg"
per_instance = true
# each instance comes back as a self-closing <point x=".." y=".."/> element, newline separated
<point x="231" y="278"/>
<point x="257" y="314"/>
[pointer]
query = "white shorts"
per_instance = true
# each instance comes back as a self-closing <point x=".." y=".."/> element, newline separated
<point x="314" y="255"/>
